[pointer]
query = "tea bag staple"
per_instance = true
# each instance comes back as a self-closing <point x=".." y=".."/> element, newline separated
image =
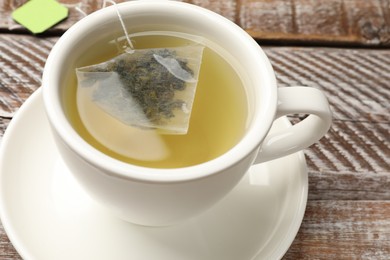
<point x="147" y="88"/>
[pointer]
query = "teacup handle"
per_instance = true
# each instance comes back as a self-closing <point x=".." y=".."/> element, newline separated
<point x="292" y="100"/>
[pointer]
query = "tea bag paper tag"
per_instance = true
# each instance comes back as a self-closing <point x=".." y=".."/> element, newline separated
<point x="39" y="15"/>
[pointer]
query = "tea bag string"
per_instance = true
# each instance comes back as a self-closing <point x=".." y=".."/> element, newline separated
<point x="128" y="50"/>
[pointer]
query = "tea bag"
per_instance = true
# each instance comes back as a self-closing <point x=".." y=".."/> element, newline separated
<point x="146" y="88"/>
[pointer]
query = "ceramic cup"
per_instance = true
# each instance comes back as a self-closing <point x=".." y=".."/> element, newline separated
<point x="159" y="197"/>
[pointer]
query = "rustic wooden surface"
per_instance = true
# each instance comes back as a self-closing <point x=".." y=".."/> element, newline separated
<point x="348" y="211"/>
<point x="349" y="22"/>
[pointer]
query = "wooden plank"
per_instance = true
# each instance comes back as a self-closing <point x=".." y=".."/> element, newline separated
<point x="353" y="147"/>
<point x="318" y="21"/>
<point x="351" y="162"/>
<point x="355" y="80"/>
<point x="4" y="122"/>
<point x="21" y="65"/>
<point x="7" y="251"/>
<point x="330" y="230"/>
<point x="348" y="185"/>
<point x="343" y="230"/>
<point x="326" y="22"/>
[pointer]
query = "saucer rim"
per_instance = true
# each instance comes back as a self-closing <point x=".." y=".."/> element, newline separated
<point x="278" y="252"/>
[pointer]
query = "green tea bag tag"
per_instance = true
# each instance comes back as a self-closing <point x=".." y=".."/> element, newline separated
<point x="39" y="15"/>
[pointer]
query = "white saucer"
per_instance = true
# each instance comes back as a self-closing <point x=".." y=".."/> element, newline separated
<point x="47" y="216"/>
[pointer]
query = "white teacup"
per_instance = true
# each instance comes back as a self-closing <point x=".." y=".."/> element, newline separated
<point x="156" y="197"/>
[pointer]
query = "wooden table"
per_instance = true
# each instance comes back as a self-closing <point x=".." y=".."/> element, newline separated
<point x="339" y="46"/>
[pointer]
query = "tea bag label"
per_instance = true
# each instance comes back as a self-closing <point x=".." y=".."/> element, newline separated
<point x="39" y="15"/>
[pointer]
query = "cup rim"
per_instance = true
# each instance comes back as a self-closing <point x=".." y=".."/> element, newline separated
<point x="249" y="143"/>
